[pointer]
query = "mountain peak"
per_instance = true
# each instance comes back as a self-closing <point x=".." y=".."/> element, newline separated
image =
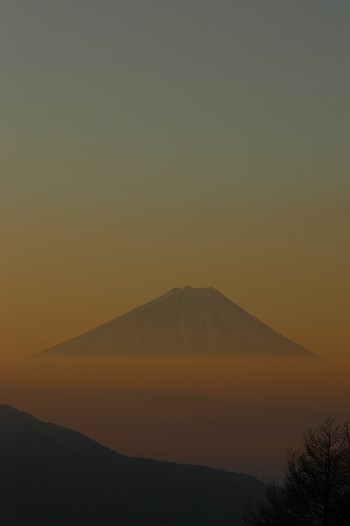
<point x="184" y="321"/>
<point x="189" y="288"/>
<point x="6" y="409"/>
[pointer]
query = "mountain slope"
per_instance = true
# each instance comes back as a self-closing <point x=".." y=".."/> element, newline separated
<point x="185" y="321"/>
<point x="53" y="476"/>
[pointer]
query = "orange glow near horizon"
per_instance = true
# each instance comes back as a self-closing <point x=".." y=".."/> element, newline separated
<point x="234" y="414"/>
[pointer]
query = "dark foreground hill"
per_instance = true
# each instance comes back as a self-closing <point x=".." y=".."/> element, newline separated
<point x="185" y="321"/>
<point x="52" y="476"/>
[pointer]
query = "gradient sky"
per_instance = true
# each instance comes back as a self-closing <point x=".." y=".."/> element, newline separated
<point x="149" y="144"/>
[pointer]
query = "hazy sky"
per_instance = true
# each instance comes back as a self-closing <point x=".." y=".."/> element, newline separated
<point x="148" y="144"/>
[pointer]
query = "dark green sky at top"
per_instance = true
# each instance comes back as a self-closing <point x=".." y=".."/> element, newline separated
<point x="248" y="93"/>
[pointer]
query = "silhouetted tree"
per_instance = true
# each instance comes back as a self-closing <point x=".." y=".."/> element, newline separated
<point x="316" y="488"/>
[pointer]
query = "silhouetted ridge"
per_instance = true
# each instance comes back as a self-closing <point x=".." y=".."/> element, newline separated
<point x="6" y="409"/>
<point x="184" y="321"/>
<point x="52" y="476"/>
<point x="12" y="414"/>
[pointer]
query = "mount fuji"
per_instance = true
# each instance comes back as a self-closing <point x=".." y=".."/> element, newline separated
<point x="184" y="322"/>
